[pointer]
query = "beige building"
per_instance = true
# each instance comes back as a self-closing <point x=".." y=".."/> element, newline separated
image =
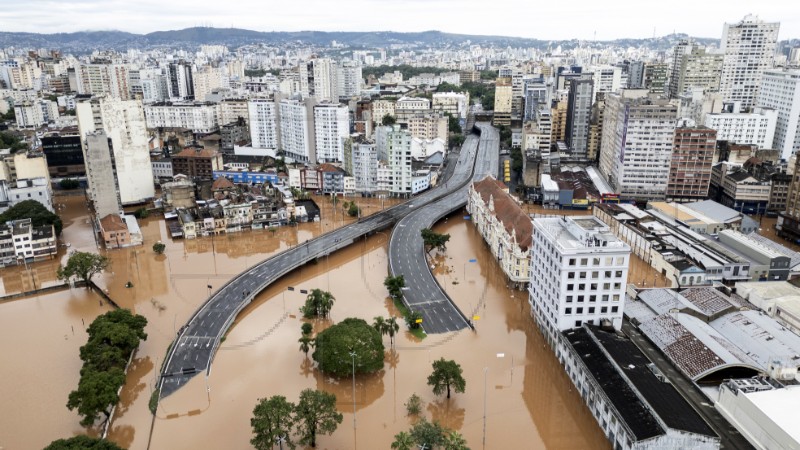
<point x="503" y="94"/>
<point x="428" y="126"/>
<point x="504" y="226"/>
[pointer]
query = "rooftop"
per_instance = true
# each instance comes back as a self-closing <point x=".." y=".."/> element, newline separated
<point x="113" y="222"/>
<point x="507" y="210"/>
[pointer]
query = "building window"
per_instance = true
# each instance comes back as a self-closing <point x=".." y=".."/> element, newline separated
<point x="568" y="311"/>
<point x="614" y="309"/>
<point x="584" y="261"/>
<point x="572" y="261"/>
<point x="579" y="310"/>
<point x="569" y="299"/>
<point x="577" y="323"/>
<point x="570" y="275"/>
<point x="604" y="310"/>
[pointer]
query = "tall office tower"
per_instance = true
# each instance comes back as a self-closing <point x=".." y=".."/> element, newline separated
<point x="349" y="79"/>
<point x="579" y="111"/>
<point x="365" y="165"/>
<point x="694" y="67"/>
<point x="181" y="80"/>
<point x="636" y="148"/>
<point x="536" y="95"/>
<point x="398" y="152"/>
<point x="331" y="128"/>
<point x="690" y="169"/>
<point x="263" y="119"/>
<point x="607" y="79"/>
<point x="503" y="94"/>
<point x="102" y="79"/>
<point x="579" y="270"/>
<point x="655" y="77"/>
<point x="780" y="90"/>
<point x="749" y="49"/>
<point x="101" y="174"/>
<point x="322" y="78"/>
<point x="154" y="85"/>
<point x="635" y="75"/>
<point x="124" y="123"/>
<point x="296" y="119"/>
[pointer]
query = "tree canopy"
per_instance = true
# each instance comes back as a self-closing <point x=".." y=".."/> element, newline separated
<point x="446" y="374"/>
<point x="82" y="265"/>
<point x="82" y="442"/>
<point x="315" y="414"/>
<point x="334" y="345"/>
<point x="272" y="421"/>
<point x="395" y="285"/>
<point x="388" y="119"/>
<point x="112" y="338"/>
<point x="31" y="209"/>
<point x="9" y="140"/>
<point x="318" y="304"/>
<point x="407" y="70"/>
<point x="159" y="247"/>
<point x="434" y="240"/>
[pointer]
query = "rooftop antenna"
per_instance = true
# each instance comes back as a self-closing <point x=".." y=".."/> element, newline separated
<point x="654" y="32"/>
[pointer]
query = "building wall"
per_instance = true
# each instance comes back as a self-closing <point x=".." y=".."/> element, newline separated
<point x="749" y="49"/>
<point x="690" y="168"/>
<point x="781" y="90"/>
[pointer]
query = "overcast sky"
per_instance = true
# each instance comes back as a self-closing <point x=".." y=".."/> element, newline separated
<point x="553" y="19"/>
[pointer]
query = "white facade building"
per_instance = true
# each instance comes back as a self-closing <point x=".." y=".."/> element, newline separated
<point x="297" y="130"/>
<point x="349" y="79"/>
<point x="198" y="117"/>
<point x="636" y="147"/>
<point x="123" y="122"/>
<point x="780" y="89"/>
<point x="749" y="49"/>
<point x="455" y="103"/>
<point x="578" y="274"/>
<point x="263" y="118"/>
<point x="757" y="127"/>
<point x="331" y="128"/>
<point x="606" y="79"/>
<point x="35" y="114"/>
<point x="365" y="167"/>
<point x="398" y="151"/>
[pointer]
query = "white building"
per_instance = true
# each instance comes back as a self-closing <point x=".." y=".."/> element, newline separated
<point x="331" y="128"/>
<point x="349" y="79"/>
<point x="455" y="103"/>
<point x="297" y="129"/>
<point x="104" y="79"/>
<point x="201" y="118"/>
<point x="505" y="228"/>
<point x="381" y="108"/>
<point x="606" y="79"/>
<point x="428" y="126"/>
<point x="365" y="167"/>
<point x="749" y="49"/>
<point x="322" y="75"/>
<point x="780" y="89"/>
<point x="636" y="147"/>
<point x="162" y="168"/>
<point x="578" y="274"/>
<point x="205" y="80"/>
<point x="124" y="123"/>
<point x="423" y="148"/>
<point x="694" y="67"/>
<point x="420" y="181"/>
<point x="263" y="119"/>
<point x="757" y="127"/>
<point x="398" y="151"/>
<point x="35" y="114"/>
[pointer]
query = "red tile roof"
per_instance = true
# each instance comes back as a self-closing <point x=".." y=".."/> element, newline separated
<point x="113" y="222"/>
<point x="222" y="183"/>
<point x="507" y="210"/>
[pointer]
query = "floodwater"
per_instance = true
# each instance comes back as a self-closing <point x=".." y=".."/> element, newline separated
<point x="525" y="397"/>
<point x="42" y="335"/>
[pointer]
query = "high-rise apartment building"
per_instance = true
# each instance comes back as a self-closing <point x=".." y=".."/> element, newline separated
<point x="636" y="148"/>
<point x="102" y="79"/>
<point x="124" y="123"/>
<point x="780" y="90"/>
<point x="331" y="128"/>
<point x="263" y="115"/>
<point x="180" y="80"/>
<point x="655" y="77"/>
<point x="349" y="79"/>
<point x="558" y="121"/>
<point x="749" y="49"/>
<point x="101" y="174"/>
<point x="756" y="127"/>
<point x="694" y="67"/>
<point x="579" y="112"/>
<point x="579" y="270"/>
<point x="296" y="125"/>
<point x="321" y="77"/>
<point x="635" y="75"/>
<point x="503" y="94"/>
<point x="398" y="152"/>
<point x="364" y="166"/>
<point x="607" y="79"/>
<point x="690" y="168"/>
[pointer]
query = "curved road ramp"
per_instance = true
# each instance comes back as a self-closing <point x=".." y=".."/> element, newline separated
<point x="407" y="251"/>
<point x="193" y="350"/>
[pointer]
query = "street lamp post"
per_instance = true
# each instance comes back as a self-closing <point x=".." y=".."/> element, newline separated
<point x="353" y="355"/>
<point x="485" y="370"/>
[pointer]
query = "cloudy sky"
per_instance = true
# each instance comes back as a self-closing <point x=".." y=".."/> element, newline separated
<point x="553" y="19"/>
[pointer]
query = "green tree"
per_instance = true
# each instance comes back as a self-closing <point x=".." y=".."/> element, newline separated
<point x="82" y="442"/>
<point x="318" y="304"/>
<point x="392" y="327"/>
<point x="96" y="394"/>
<point x="272" y="230"/>
<point x="395" y="285"/>
<point x="453" y="124"/>
<point x="414" y="405"/>
<point x="31" y="209"/>
<point x="457" y="140"/>
<point x="159" y="247"/>
<point x="255" y="72"/>
<point x="272" y="422"/>
<point x="428" y="434"/>
<point x="82" y="265"/>
<point x="413" y="319"/>
<point x="69" y="183"/>
<point x="446" y="374"/>
<point x="403" y="441"/>
<point x="306" y="329"/>
<point x="516" y="159"/>
<point x="116" y="332"/>
<point x="315" y="414"/>
<point x="433" y="240"/>
<point x="9" y="140"/>
<point x="379" y="324"/>
<point x="353" y="210"/>
<point x="334" y="345"/>
<point x="453" y="440"/>
<point x="487" y="101"/>
<point x="141" y="213"/>
<point x="306" y="342"/>
<point x="388" y="119"/>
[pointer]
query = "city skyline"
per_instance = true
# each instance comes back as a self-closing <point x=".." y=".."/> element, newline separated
<point x="576" y="21"/>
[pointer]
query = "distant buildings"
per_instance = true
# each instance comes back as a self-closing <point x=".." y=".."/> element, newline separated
<point x="502" y="102"/>
<point x="694" y="67"/>
<point x="201" y="118"/>
<point x="64" y="153"/>
<point x="579" y="111"/>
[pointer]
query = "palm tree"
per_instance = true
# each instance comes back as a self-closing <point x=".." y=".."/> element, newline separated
<point x="380" y="325"/>
<point x="306" y="342"/>
<point x="403" y="441"/>
<point x="455" y="441"/>
<point x="326" y="303"/>
<point x="392" y="327"/>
